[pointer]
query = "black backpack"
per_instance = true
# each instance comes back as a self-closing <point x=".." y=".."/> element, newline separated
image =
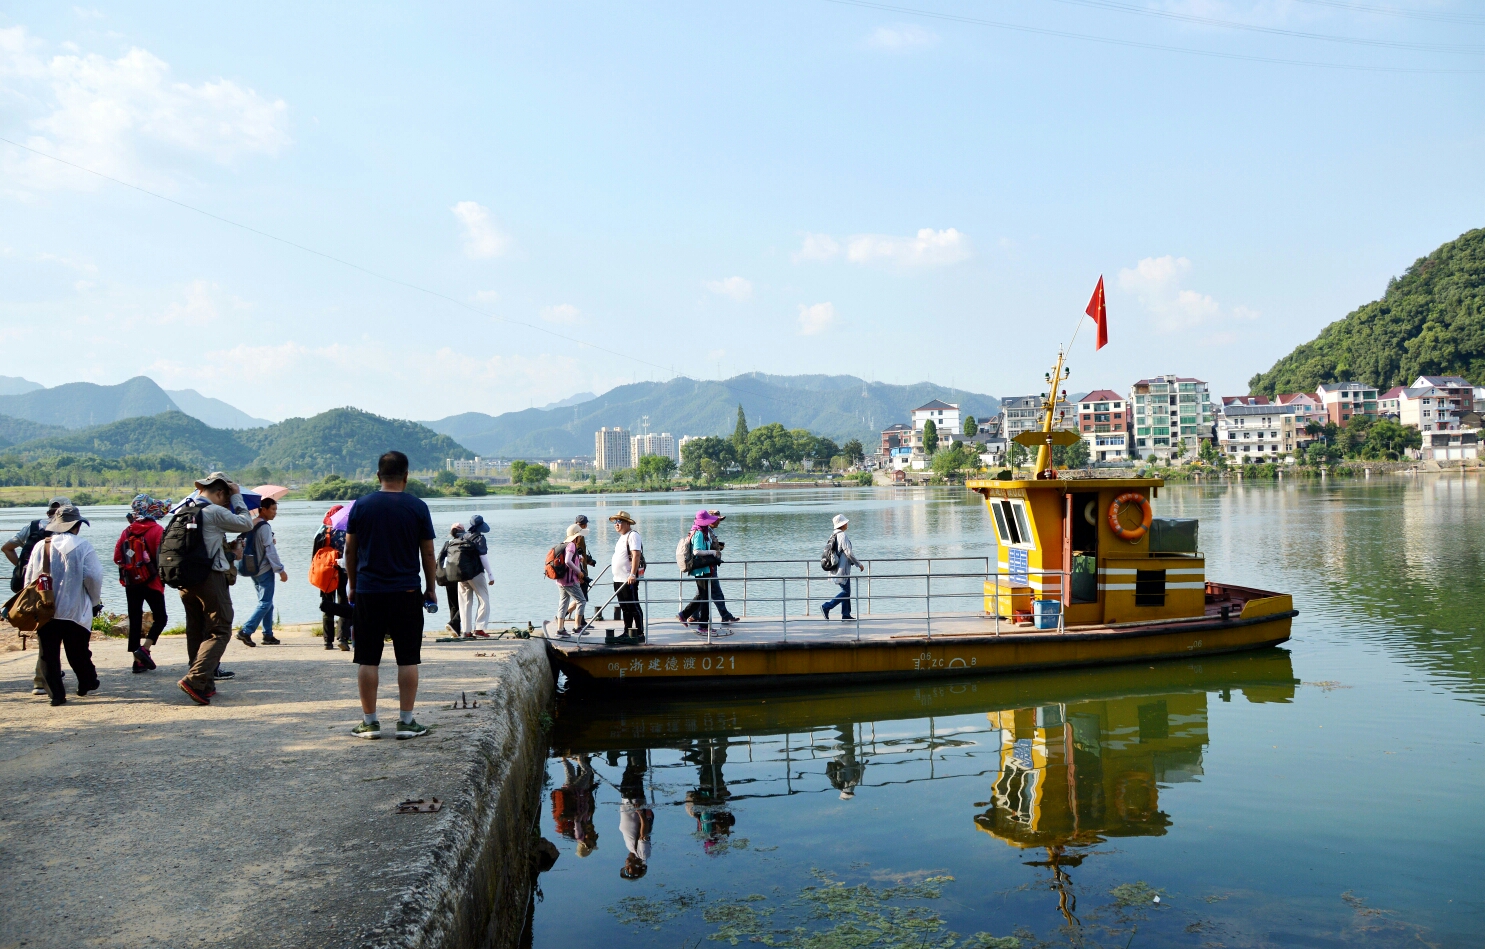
<point x="183" y="559"/>
<point x="463" y="562"/>
<point x="35" y="534"/>
<point x="830" y="559"/>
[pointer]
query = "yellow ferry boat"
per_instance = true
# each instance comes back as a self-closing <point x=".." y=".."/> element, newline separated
<point x="1084" y="575"/>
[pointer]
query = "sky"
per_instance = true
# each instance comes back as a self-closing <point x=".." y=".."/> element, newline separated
<point x="427" y="210"/>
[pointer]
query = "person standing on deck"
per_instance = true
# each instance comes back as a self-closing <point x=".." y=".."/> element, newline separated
<point x="582" y="523"/>
<point x="474" y="593"/>
<point x="389" y="536"/>
<point x="703" y="542"/>
<point x="717" y="597"/>
<point x="840" y="545"/>
<point x="570" y="596"/>
<point x="628" y="566"/>
<point x="137" y="554"/>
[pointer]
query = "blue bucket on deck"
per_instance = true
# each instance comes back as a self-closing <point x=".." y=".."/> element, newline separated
<point x="1046" y="612"/>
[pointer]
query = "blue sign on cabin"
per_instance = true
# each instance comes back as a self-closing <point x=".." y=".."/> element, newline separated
<point x="1018" y="565"/>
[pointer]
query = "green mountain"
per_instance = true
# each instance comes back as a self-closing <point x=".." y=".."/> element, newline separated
<point x="84" y="404"/>
<point x="170" y="433"/>
<point x="341" y="440"/>
<point x="213" y="412"/>
<point x="347" y="441"/>
<point x="16" y="430"/>
<point x="837" y="407"/>
<point x="1431" y="321"/>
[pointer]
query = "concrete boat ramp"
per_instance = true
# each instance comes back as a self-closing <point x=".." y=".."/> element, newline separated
<point x="132" y="817"/>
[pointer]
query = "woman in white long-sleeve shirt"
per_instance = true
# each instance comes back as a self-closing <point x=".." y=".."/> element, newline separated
<point x="844" y="557"/>
<point x="476" y="590"/>
<point x="77" y="582"/>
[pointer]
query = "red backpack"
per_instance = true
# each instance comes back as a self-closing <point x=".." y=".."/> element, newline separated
<point x="556" y="566"/>
<point x="137" y="566"/>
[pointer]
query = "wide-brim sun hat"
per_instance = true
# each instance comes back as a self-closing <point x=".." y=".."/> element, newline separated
<point x="64" y="519"/>
<point x="840" y="520"/>
<point x="719" y="516"/>
<point x="574" y="531"/>
<point x="705" y="518"/>
<point x="478" y="525"/>
<point x="622" y="516"/>
<point x="211" y="479"/>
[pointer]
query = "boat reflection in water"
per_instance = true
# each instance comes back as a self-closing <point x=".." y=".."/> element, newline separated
<point x="1066" y="759"/>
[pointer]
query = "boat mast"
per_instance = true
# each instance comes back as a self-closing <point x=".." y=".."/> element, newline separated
<point x="1049" y="406"/>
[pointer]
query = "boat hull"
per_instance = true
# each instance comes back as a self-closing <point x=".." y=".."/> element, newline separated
<point x="1263" y="622"/>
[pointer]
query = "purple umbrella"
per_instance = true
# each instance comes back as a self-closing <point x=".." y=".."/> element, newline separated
<point x="342" y="518"/>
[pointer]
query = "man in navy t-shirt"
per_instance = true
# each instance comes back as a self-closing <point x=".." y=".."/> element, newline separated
<point x="388" y="540"/>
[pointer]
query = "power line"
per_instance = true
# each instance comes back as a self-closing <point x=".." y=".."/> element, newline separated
<point x="1394" y="11"/>
<point x="1271" y="30"/>
<point x="389" y="279"/>
<point x="1137" y="44"/>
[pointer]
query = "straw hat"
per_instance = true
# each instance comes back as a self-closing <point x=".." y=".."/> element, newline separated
<point x="574" y="531"/>
<point x="622" y="516"/>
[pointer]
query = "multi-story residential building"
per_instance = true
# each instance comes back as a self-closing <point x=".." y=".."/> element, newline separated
<point x="1388" y="403"/>
<point x="475" y="467"/>
<point x="896" y="436"/>
<point x="944" y="415"/>
<point x="1428" y="408"/>
<point x="1451" y="446"/>
<point x="662" y="444"/>
<point x="1023" y="413"/>
<point x="1172" y="415"/>
<point x="989" y="426"/>
<point x="1461" y="394"/>
<point x="1103" y="421"/>
<point x="611" y="449"/>
<point x="1256" y="431"/>
<point x="1307" y="409"/>
<point x="1342" y="400"/>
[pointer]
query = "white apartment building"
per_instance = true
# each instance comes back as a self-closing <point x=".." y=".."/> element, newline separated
<point x="944" y="415"/>
<point x="663" y="444"/>
<point x="1172" y="414"/>
<point x="611" y="449"/>
<point x="1023" y="413"/>
<point x="475" y="467"/>
<point x="1426" y="408"/>
<point x="1256" y="433"/>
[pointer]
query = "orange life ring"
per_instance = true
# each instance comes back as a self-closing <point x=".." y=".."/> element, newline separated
<point x="1146" y="516"/>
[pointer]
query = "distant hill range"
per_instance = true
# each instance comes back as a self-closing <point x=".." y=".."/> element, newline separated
<point x="1431" y="321"/>
<point x="86" y="404"/>
<point x="346" y="440"/>
<point x="838" y="407"/>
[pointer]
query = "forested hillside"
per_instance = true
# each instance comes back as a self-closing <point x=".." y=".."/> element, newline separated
<point x="171" y="434"/>
<point x="1431" y="321"/>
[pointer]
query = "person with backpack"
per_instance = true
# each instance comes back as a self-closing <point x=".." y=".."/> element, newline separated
<point x="697" y="555"/>
<point x="25" y="540"/>
<point x="471" y="554"/>
<point x="137" y="554"/>
<point x="194" y="559"/>
<point x="570" y="596"/>
<point x="259" y="562"/>
<point x="628" y="566"/>
<point x="837" y="561"/>
<point x="450" y="586"/>
<point x="716" y="592"/>
<point x="333" y="602"/>
<point x="70" y="569"/>
<point x="582" y="522"/>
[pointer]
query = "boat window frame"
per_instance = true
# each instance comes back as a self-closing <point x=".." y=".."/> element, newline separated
<point x="1019" y="523"/>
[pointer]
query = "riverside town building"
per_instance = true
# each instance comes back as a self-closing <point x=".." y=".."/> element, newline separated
<point x="1103" y="422"/>
<point x="1172" y="415"/>
<point x="611" y="448"/>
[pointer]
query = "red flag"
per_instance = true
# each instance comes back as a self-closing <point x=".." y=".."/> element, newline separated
<point x="1100" y="313"/>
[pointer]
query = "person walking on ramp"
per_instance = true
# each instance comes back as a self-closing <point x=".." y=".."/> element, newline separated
<point x="837" y="561"/>
<point x="137" y="555"/>
<point x="77" y="591"/>
<point x="390" y="535"/>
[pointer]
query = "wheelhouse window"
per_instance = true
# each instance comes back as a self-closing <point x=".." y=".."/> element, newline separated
<point x="1011" y="523"/>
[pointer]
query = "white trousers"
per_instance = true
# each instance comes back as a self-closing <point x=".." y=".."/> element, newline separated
<point x="469" y="592"/>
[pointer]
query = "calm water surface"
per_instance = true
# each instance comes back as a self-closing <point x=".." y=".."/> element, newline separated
<point x="1324" y="794"/>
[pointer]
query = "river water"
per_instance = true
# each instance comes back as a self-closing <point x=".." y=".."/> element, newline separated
<point x="1326" y="793"/>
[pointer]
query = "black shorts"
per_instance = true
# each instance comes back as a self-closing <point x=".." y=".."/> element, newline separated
<point x="399" y="615"/>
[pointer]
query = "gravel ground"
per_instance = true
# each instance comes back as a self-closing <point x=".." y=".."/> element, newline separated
<point x="132" y="817"/>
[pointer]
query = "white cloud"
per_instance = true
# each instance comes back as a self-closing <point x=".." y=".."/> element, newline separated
<point x="814" y="320"/>
<point x="486" y="296"/>
<point x="481" y="237"/>
<point x="1156" y="283"/>
<point x="902" y="38"/>
<point x="564" y="313"/>
<point x="103" y="113"/>
<point x="817" y="247"/>
<point x="738" y="288"/>
<point x="929" y="248"/>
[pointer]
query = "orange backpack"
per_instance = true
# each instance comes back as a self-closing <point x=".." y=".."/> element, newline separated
<point x="323" y="574"/>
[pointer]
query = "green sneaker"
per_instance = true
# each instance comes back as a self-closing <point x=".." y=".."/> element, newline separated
<point x="368" y="730"/>
<point x="411" y="729"/>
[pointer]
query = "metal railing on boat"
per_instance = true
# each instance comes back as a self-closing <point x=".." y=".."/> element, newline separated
<point x="801" y="586"/>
